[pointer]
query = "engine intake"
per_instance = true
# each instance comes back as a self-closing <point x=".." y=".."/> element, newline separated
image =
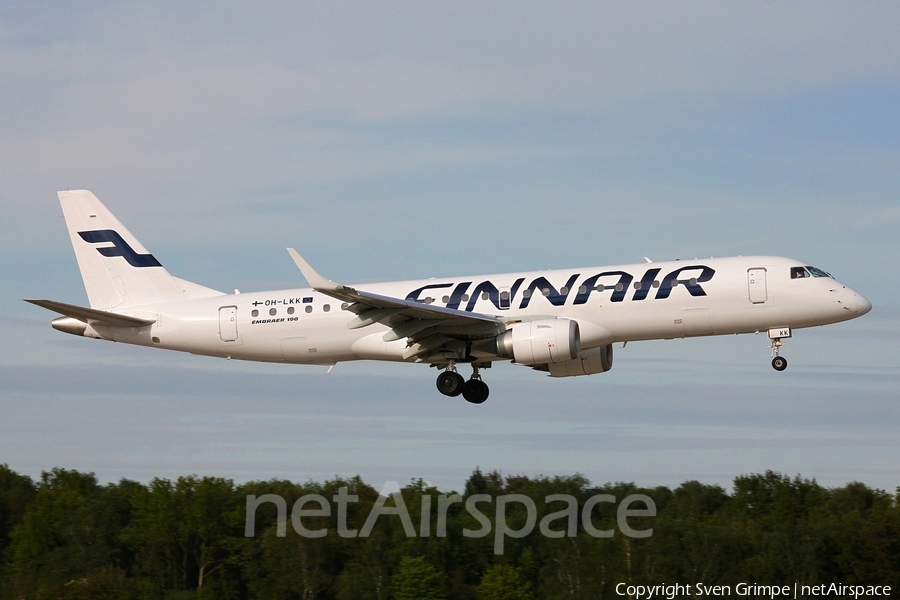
<point x="540" y="342"/>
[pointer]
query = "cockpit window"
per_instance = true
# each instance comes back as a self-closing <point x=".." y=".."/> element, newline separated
<point x="799" y="272"/>
<point x="818" y="272"/>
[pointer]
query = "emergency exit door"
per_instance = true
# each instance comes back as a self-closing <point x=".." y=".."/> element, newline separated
<point x="756" y="284"/>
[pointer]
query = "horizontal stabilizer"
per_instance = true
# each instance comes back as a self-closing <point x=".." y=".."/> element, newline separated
<point x="91" y="315"/>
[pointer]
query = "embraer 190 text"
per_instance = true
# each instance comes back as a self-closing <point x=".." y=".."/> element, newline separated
<point x="563" y="322"/>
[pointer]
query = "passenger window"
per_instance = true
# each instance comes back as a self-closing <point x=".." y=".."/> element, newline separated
<point x="308" y="308"/>
<point x="254" y="313"/>
<point x="290" y="310"/>
<point x="273" y="312"/>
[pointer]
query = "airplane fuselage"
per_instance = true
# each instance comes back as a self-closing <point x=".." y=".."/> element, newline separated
<point x="563" y="322"/>
<point x="618" y="303"/>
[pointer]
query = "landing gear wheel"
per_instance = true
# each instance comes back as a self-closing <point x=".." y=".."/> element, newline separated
<point x="450" y="383"/>
<point x="779" y="363"/>
<point x="475" y="391"/>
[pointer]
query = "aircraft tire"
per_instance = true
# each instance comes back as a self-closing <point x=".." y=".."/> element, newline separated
<point x="476" y="391"/>
<point x="779" y="363"/>
<point x="450" y="383"/>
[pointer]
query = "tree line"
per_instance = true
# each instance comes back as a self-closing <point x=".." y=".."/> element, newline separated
<point x="66" y="536"/>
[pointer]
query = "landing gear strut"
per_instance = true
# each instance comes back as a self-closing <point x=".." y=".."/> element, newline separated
<point x="779" y="363"/>
<point x="451" y="383"/>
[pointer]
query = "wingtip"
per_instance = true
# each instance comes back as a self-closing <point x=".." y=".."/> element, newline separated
<point x="311" y="275"/>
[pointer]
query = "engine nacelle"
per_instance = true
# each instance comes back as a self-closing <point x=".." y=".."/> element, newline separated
<point x="595" y="360"/>
<point x="540" y="342"/>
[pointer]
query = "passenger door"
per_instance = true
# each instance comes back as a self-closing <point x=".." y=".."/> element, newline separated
<point x="756" y="285"/>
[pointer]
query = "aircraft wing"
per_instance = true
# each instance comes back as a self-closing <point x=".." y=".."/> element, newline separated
<point x="428" y="328"/>
<point x="91" y="315"/>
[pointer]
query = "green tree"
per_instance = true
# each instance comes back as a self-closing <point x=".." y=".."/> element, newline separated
<point x="692" y="540"/>
<point x="479" y="483"/>
<point x="415" y="579"/>
<point x="70" y="533"/>
<point x="862" y="536"/>
<point x="356" y="583"/>
<point x="503" y="582"/>
<point x="291" y="566"/>
<point x="185" y="532"/>
<point x="16" y="491"/>
<point x="778" y="516"/>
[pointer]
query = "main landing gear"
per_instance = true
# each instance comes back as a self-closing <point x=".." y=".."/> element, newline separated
<point x="779" y="363"/>
<point x="451" y="383"/>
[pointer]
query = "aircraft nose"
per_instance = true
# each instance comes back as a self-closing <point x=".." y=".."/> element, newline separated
<point x="856" y="303"/>
<point x="862" y="305"/>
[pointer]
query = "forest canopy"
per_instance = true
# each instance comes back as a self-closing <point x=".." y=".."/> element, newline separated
<point x="69" y="536"/>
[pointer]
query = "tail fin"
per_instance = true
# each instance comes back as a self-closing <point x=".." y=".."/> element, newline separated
<point x="118" y="272"/>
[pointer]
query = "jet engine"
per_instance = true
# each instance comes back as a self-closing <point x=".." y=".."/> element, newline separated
<point x="540" y="342"/>
<point x="595" y="360"/>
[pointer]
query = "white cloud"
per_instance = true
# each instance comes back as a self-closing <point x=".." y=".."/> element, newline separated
<point x="179" y="68"/>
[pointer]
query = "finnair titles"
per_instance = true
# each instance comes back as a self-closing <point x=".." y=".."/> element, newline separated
<point x="562" y="322"/>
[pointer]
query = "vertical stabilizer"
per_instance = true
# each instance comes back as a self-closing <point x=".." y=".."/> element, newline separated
<point x="117" y="270"/>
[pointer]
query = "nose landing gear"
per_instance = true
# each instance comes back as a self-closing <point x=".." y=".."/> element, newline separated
<point x="451" y="383"/>
<point x="779" y="363"/>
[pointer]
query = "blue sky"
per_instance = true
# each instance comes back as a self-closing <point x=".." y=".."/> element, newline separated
<point x="411" y="140"/>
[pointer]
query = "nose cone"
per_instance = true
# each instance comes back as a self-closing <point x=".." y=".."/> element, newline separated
<point x="855" y="303"/>
<point x="862" y="304"/>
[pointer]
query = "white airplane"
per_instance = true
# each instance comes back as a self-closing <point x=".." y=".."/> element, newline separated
<point x="563" y="322"/>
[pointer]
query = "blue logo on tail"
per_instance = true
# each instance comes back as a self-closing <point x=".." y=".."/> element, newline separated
<point x="119" y="248"/>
